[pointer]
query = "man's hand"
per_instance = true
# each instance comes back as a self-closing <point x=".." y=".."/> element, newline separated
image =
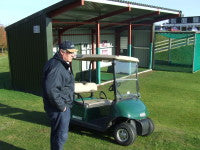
<point x="64" y="109"/>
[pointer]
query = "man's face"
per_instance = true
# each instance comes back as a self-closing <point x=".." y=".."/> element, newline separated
<point x="67" y="56"/>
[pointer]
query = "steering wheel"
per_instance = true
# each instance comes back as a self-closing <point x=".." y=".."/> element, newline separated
<point x="111" y="88"/>
<point x="102" y="92"/>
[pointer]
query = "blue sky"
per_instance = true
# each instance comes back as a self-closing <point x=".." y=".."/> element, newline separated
<point x="12" y="11"/>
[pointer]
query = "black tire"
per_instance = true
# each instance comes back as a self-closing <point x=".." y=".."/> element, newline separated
<point x="151" y="127"/>
<point x="125" y="134"/>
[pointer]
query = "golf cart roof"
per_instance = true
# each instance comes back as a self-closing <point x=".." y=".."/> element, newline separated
<point x="97" y="57"/>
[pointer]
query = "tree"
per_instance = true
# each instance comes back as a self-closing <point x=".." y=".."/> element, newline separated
<point x="3" y="40"/>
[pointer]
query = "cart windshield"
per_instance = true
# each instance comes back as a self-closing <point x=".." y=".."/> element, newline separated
<point x="126" y="80"/>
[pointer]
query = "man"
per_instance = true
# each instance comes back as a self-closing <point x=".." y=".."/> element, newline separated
<point x="58" y="90"/>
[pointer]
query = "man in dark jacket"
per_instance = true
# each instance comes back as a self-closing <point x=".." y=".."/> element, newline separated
<point x="58" y="90"/>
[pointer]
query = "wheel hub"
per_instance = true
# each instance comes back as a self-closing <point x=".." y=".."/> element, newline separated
<point x="122" y="135"/>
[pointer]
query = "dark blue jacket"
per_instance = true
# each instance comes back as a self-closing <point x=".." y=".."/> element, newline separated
<point x="58" y="84"/>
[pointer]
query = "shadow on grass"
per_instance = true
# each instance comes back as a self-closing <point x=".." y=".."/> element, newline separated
<point x="18" y="113"/>
<point x="5" y="80"/>
<point x="105" y="136"/>
<point x="24" y="115"/>
<point x="7" y="146"/>
<point x="38" y="117"/>
<point x="41" y="119"/>
<point x="173" y="68"/>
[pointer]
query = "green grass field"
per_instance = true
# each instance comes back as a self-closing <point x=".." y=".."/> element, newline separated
<point x="182" y="55"/>
<point x="173" y="99"/>
<point x="179" y="59"/>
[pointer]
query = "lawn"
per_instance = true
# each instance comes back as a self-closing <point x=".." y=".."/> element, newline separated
<point x="179" y="59"/>
<point x="182" y="55"/>
<point x="173" y="99"/>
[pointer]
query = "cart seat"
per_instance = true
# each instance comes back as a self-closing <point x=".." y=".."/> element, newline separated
<point x="96" y="103"/>
<point x="83" y="87"/>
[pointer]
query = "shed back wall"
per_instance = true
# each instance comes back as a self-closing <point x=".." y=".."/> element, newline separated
<point x="140" y="45"/>
<point x="77" y="39"/>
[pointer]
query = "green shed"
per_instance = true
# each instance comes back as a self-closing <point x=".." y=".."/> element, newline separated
<point x="106" y="26"/>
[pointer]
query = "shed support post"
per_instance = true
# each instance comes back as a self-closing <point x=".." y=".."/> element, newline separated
<point x="98" y="71"/>
<point x="129" y="45"/>
<point x="93" y="50"/>
<point x="151" y="47"/>
<point x="59" y="37"/>
<point x="117" y="42"/>
<point x="92" y="39"/>
<point x="129" y="39"/>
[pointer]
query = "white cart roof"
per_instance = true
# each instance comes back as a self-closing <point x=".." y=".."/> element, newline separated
<point x="95" y="57"/>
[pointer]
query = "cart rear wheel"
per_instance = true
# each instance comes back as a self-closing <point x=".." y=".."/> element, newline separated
<point x="125" y="134"/>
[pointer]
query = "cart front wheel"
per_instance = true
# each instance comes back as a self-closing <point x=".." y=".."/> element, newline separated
<point x="125" y="134"/>
<point x="151" y="127"/>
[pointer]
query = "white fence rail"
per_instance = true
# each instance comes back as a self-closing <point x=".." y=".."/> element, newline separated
<point x="166" y="45"/>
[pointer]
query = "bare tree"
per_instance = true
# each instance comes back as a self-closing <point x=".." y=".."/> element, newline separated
<point x="3" y="40"/>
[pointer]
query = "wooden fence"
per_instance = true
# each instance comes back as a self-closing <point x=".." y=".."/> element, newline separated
<point x="168" y="44"/>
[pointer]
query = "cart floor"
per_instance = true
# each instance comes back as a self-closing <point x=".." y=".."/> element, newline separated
<point x="100" y="124"/>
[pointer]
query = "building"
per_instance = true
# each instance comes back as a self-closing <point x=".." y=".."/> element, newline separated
<point x="106" y="26"/>
<point x="182" y="24"/>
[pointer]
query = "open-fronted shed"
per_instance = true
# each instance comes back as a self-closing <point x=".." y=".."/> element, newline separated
<point x="95" y="26"/>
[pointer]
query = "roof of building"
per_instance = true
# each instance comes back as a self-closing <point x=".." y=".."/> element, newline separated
<point x="69" y="14"/>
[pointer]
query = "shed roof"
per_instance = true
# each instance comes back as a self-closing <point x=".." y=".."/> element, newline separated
<point x="110" y="13"/>
<point x="69" y="14"/>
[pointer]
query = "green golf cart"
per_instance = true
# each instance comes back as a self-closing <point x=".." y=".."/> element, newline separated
<point x="115" y="107"/>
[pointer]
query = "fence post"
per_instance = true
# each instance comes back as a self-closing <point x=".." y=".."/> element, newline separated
<point x="187" y="41"/>
<point x="170" y="46"/>
<point x="170" y="43"/>
<point x="151" y="55"/>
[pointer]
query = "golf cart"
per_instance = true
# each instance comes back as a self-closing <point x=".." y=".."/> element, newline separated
<point x="117" y="107"/>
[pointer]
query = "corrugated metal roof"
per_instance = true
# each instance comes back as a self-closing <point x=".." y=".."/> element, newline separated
<point x="94" y="8"/>
<point x="146" y="5"/>
<point x="137" y="5"/>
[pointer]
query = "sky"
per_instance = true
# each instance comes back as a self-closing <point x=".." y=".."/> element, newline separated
<point x="12" y="11"/>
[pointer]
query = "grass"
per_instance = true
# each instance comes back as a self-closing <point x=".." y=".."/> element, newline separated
<point x="160" y="37"/>
<point x="179" y="59"/>
<point x="182" y="55"/>
<point x="173" y="99"/>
